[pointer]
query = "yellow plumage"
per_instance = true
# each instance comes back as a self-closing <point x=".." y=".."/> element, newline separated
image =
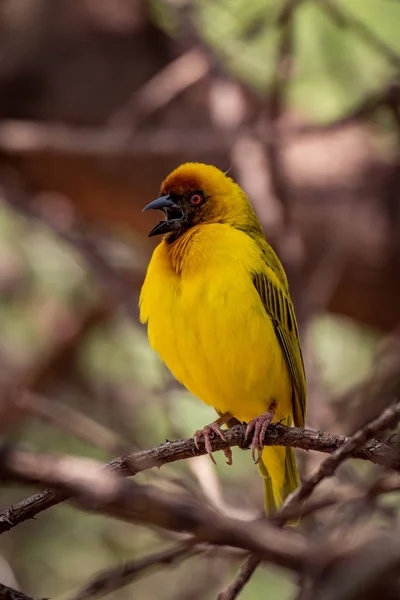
<point x="219" y="314"/>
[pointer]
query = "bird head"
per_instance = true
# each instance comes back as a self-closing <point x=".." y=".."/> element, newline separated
<point x="195" y="194"/>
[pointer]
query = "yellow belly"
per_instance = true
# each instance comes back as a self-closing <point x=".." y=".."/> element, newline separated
<point x="209" y="326"/>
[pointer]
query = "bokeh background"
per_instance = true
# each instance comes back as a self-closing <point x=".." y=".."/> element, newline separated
<point x="99" y="100"/>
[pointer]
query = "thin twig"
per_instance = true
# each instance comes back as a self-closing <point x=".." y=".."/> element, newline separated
<point x="69" y="419"/>
<point x="371" y="572"/>
<point x="115" y="290"/>
<point x="385" y="485"/>
<point x="375" y="451"/>
<point x="114" y="579"/>
<point x="290" y="244"/>
<point x="243" y="576"/>
<point x="328" y="467"/>
<point x="276" y="104"/>
<point x="180" y="74"/>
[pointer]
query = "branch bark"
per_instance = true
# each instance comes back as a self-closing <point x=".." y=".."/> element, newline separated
<point x="292" y="508"/>
<point x="244" y="574"/>
<point x="375" y="451"/>
<point x="327" y="468"/>
<point x="114" y="579"/>
<point x="98" y="490"/>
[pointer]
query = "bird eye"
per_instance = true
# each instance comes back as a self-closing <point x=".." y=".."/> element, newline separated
<point x="196" y="199"/>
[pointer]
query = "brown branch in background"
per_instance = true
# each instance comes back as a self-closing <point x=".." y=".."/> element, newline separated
<point x="115" y="290"/>
<point x="249" y="158"/>
<point x="375" y="451"/>
<point x="344" y="495"/>
<point x="292" y="508"/>
<point x="243" y="576"/>
<point x="366" y="401"/>
<point x="276" y="104"/>
<point x="68" y="419"/>
<point x="290" y="245"/>
<point x="371" y="572"/>
<point x="165" y="86"/>
<point x="7" y="593"/>
<point x="323" y="281"/>
<point x="386" y="484"/>
<point x="327" y="468"/>
<point x="95" y="489"/>
<point x="31" y="137"/>
<point x="114" y="579"/>
<point x="104" y="492"/>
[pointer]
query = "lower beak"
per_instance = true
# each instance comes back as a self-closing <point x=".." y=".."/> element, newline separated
<point x="173" y="211"/>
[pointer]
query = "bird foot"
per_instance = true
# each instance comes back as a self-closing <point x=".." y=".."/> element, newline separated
<point x="260" y="425"/>
<point x="205" y="434"/>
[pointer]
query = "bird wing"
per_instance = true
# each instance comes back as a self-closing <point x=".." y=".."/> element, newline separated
<point x="279" y="307"/>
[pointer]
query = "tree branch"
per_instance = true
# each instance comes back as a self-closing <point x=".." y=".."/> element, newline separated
<point x="98" y="490"/>
<point x="69" y="419"/>
<point x="383" y="485"/>
<point x="176" y="77"/>
<point x="327" y="468"/>
<point x="375" y="451"/>
<point x="114" y="579"/>
<point x="7" y="593"/>
<point x="246" y="570"/>
<point x="292" y="509"/>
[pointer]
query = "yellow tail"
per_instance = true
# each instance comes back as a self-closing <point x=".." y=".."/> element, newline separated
<point x="279" y="471"/>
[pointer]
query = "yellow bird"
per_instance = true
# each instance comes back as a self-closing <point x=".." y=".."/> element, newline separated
<point x="219" y="314"/>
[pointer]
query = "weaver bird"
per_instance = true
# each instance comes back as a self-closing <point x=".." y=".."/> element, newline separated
<point x="219" y="314"/>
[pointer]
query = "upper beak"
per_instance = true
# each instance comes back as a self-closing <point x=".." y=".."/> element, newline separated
<point x="173" y="212"/>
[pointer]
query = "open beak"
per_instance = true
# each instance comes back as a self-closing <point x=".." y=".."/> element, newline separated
<point x="173" y="212"/>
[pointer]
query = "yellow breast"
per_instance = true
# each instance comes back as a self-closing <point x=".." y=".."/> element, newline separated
<point x="208" y="324"/>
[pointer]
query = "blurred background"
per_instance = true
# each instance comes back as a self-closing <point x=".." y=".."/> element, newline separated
<point x="99" y="100"/>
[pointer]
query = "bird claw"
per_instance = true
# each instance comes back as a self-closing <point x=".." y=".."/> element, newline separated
<point x="205" y="434"/>
<point x="228" y="455"/>
<point x="260" y="425"/>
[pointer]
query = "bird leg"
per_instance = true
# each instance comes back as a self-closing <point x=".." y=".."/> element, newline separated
<point x="260" y="425"/>
<point x="214" y="427"/>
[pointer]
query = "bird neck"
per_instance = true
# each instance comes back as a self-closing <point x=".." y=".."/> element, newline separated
<point x="181" y="252"/>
